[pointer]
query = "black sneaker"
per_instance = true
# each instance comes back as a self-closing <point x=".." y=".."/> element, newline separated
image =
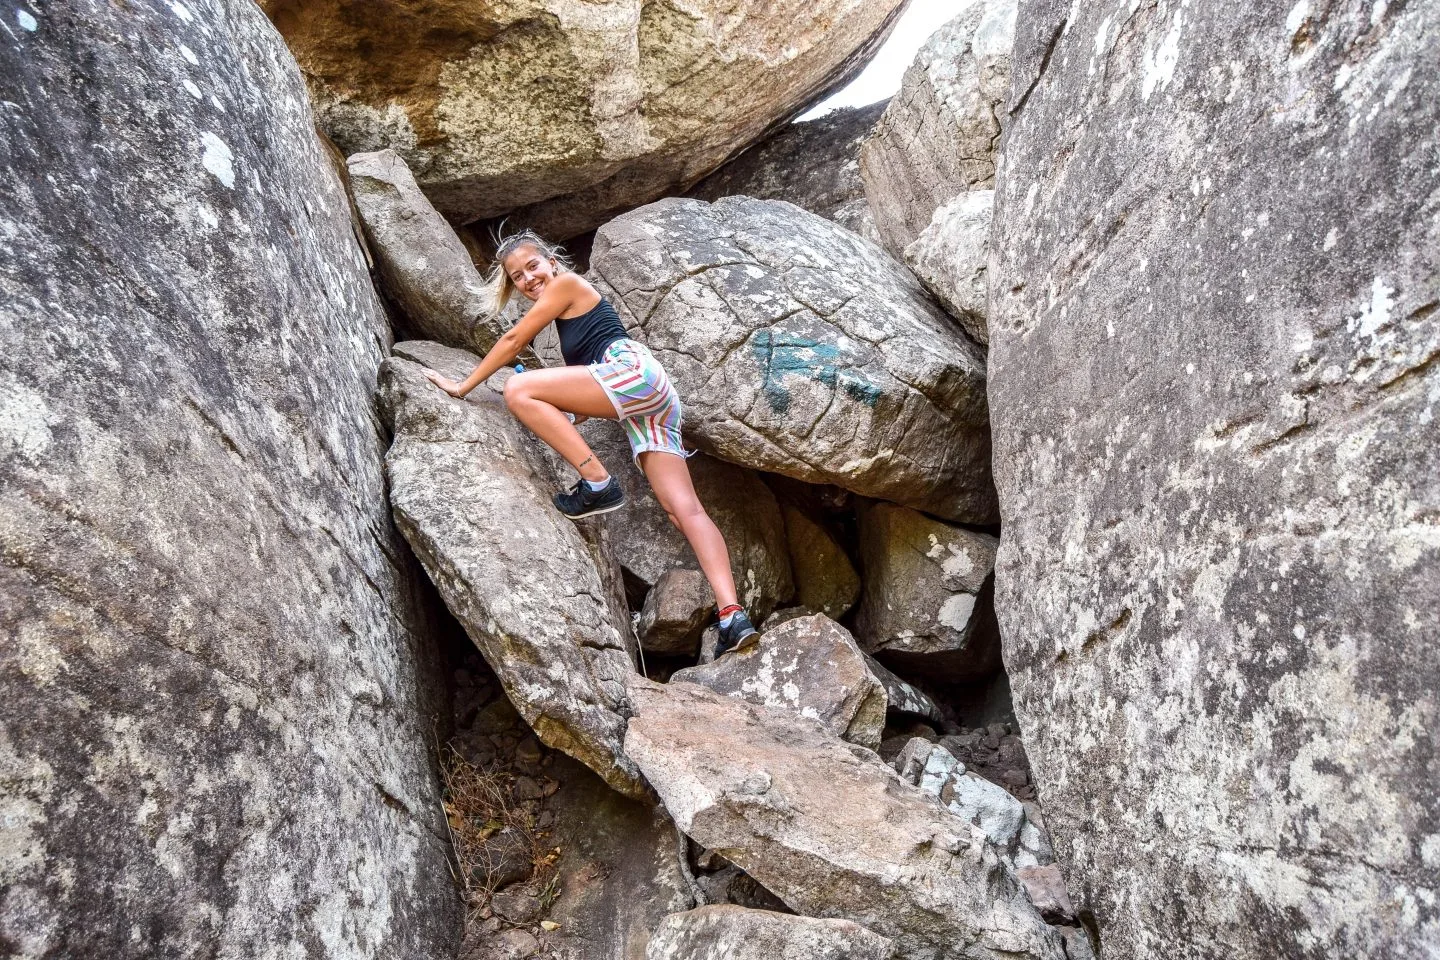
<point x="581" y="501"/>
<point x="740" y="635"/>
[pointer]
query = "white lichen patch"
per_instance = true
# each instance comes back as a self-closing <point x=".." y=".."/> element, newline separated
<point x="217" y="159"/>
<point x="25" y="421"/>
<point x="1160" y="64"/>
<point x="955" y="611"/>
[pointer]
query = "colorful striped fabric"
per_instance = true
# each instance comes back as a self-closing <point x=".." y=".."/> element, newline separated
<point x="645" y="402"/>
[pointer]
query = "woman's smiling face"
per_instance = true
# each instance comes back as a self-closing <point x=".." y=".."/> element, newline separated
<point x="529" y="270"/>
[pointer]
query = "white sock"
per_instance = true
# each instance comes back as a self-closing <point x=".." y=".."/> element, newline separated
<point x="597" y="485"/>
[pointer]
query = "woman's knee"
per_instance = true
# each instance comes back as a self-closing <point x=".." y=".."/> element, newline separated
<point x="516" y="392"/>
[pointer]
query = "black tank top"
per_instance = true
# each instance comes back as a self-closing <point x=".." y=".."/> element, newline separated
<point x="583" y="339"/>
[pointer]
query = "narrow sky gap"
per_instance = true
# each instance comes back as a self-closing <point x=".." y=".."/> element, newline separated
<point x="881" y="77"/>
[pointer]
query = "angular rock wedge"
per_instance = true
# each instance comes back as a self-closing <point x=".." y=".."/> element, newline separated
<point x="828" y="828"/>
<point x="950" y="258"/>
<point x="927" y="600"/>
<point x="423" y="266"/>
<point x="802" y="349"/>
<point x="736" y="933"/>
<point x="470" y="490"/>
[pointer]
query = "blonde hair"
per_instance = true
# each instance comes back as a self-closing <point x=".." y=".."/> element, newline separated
<point x="499" y="288"/>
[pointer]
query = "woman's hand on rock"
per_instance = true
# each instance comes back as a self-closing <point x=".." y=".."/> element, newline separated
<point x="449" y="386"/>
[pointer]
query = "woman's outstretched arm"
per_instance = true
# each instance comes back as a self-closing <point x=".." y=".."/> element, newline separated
<point x="559" y="294"/>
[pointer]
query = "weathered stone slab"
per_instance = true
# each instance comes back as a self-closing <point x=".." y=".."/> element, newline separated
<point x="569" y="110"/>
<point x="950" y="258"/>
<point x="927" y="597"/>
<point x="828" y="828"/>
<point x="538" y="594"/>
<point x="217" y="677"/>
<point x="937" y="138"/>
<point x="809" y="666"/>
<point x="801" y="349"/>
<point x="1214" y="392"/>
<point x="735" y="933"/>
<point x="814" y="165"/>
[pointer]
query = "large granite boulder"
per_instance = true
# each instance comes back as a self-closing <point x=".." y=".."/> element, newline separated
<point x="568" y="110"/>
<point x="950" y="257"/>
<point x="814" y="165"/>
<point x="809" y="666"/>
<point x="927" y="599"/>
<point x="647" y="544"/>
<point x="828" y="828"/>
<point x="801" y="349"/>
<point x="1215" y="395"/>
<point x="938" y="136"/>
<point x="735" y="933"/>
<point x="218" y="678"/>
<point x="539" y="594"/>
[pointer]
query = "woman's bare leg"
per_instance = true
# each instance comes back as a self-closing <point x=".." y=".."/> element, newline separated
<point x="541" y="398"/>
<point x="669" y="475"/>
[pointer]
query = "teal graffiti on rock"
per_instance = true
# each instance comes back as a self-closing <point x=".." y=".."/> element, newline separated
<point x="783" y="353"/>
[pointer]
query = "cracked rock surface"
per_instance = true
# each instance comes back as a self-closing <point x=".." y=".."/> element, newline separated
<point x="939" y="134"/>
<point x="1215" y="396"/>
<point x="800" y="348"/>
<point x="539" y="594"/>
<point x="217" y="672"/>
<point x="830" y="829"/>
<point x="566" y="112"/>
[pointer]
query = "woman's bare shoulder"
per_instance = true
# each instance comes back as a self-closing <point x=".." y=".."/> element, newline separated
<point x="579" y="291"/>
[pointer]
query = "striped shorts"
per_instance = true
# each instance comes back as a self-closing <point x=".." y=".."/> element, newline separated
<point x="644" y="401"/>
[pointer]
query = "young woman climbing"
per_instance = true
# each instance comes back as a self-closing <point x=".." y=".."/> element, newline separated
<point x="607" y="374"/>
